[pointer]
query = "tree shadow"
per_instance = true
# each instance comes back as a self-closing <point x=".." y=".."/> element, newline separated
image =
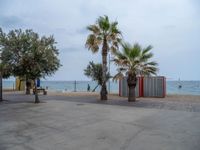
<point x="17" y="98"/>
<point x="150" y="103"/>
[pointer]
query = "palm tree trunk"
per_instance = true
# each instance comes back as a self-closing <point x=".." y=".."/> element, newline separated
<point x="95" y="88"/>
<point x="131" y="94"/>
<point x="132" y="81"/>
<point x="1" y="86"/>
<point x="36" y="93"/>
<point x="104" y="70"/>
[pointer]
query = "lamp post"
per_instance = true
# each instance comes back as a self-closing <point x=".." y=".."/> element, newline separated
<point x="109" y="73"/>
<point x="1" y="95"/>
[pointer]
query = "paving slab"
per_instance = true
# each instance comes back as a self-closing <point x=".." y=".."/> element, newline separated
<point x="82" y="123"/>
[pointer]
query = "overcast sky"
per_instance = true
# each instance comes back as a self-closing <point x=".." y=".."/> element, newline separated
<point x="172" y="27"/>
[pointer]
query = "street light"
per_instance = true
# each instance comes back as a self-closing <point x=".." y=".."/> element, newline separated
<point x="109" y="73"/>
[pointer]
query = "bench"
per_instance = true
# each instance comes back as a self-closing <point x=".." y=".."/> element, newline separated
<point x="40" y="90"/>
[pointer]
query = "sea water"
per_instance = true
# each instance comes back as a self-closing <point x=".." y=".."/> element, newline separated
<point x="188" y="87"/>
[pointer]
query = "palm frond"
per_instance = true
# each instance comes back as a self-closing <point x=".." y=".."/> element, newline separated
<point x="118" y="76"/>
<point x="114" y="29"/>
<point x="135" y="60"/>
<point x="103" y="31"/>
<point x="152" y="63"/>
<point x="147" y="49"/>
<point x="94" y="28"/>
<point x="126" y="49"/>
<point x="145" y="57"/>
<point x="93" y="43"/>
<point x="103" y="23"/>
<point x="134" y="53"/>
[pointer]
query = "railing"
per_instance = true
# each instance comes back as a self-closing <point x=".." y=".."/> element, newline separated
<point x="69" y="86"/>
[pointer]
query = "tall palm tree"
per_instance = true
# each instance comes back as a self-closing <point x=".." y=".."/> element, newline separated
<point x="106" y="35"/>
<point x="134" y="61"/>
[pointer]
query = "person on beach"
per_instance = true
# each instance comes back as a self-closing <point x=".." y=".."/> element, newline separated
<point x="88" y="88"/>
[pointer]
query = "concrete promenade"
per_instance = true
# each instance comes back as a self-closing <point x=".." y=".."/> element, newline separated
<point x="85" y="123"/>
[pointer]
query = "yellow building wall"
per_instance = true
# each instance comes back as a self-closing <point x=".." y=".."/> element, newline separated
<point x="19" y="87"/>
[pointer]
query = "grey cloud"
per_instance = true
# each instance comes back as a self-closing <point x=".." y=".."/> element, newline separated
<point x="170" y="26"/>
<point x="10" y="21"/>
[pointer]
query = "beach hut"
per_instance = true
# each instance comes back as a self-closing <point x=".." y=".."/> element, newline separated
<point x="153" y="86"/>
<point x="19" y="84"/>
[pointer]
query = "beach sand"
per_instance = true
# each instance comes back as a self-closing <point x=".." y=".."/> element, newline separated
<point x="173" y="98"/>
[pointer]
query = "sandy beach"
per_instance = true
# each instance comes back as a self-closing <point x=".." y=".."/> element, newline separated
<point x="190" y="103"/>
<point x="115" y="96"/>
<point x="172" y="98"/>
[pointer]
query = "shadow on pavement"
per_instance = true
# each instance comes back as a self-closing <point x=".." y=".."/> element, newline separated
<point x="118" y="101"/>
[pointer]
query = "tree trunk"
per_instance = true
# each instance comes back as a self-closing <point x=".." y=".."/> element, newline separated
<point x="104" y="70"/>
<point x="36" y="92"/>
<point x="1" y="86"/>
<point x="28" y="87"/>
<point x="20" y="81"/>
<point x="95" y="88"/>
<point x="131" y="94"/>
<point x="132" y="81"/>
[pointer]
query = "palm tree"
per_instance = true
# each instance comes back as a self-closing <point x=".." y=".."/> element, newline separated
<point x="106" y="35"/>
<point x="94" y="71"/>
<point x="134" y="61"/>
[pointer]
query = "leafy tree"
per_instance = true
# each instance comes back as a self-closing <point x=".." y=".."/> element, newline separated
<point x="5" y="71"/>
<point x="94" y="71"/>
<point x="30" y="56"/>
<point x="4" y="68"/>
<point x="133" y="61"/>
<point x="17" y="42"/>
<point x="106" y="35"/>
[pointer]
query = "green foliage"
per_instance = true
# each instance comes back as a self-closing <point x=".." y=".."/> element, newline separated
<point x="94" y="71"/>
<point x="103" y="34"/>
<point x="103" y="30"/>
<point x="4" y="68"/>
<point x="29" y="55"/>
<point x="134" y="60"/>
